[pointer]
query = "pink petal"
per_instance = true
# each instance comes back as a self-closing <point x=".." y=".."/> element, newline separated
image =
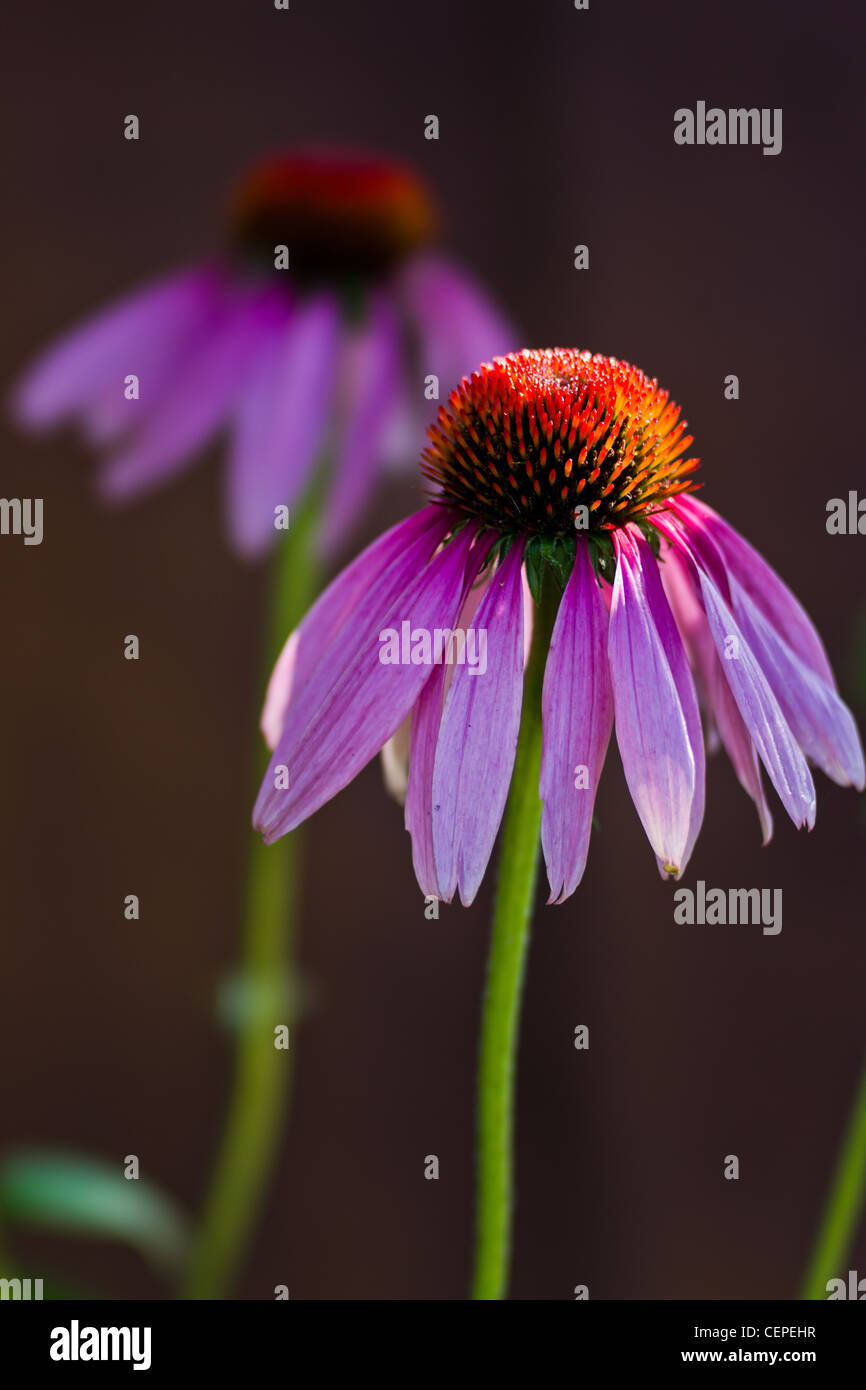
<point x="775" y="743"/>
<point x="658" y="724"/>
<point x="692" y="623"/>
<point x="352" y="703"/>
<point x="471" y="777"/>
<point x="134" y="336"/>
<point x="822" y="725"/>
<point x="282" y="417"/>
<point x="777" y="748"/>
<point x="201" y="398"/>
<point x="426" y="723"/>
<point x="307" y="648"/>
<point x="578" y="716"/>
<point x="761" y="582"/>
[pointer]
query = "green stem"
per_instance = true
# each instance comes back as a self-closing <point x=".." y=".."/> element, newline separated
<point x="844" y="1204"/>
<point x="518" y="871"/>
<point x="262" y="1071"/>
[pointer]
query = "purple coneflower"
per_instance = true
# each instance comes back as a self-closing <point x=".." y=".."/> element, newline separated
<point x="326" y="307"/>
<point x="556" y="464"/>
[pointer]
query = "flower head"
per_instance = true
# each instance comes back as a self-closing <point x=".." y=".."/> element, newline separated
<point x="341" y="217"/>
<point x="538" y="434"/>
<point x="555" y="466"/>
<point x="309" y="339"/>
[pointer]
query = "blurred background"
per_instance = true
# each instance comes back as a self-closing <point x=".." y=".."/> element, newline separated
<point x="556" y="128"/>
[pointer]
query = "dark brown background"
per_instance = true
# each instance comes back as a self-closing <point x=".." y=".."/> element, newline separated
<point x="556" y="128"/>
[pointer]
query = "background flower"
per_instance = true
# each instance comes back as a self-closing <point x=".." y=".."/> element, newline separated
<point x="316" y="337"/>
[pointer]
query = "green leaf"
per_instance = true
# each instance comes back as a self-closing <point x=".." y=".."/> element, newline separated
<point x="84" y="1196"/>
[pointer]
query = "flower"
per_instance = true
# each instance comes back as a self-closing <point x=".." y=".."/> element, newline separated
<point x="327" y="356"/>
<point x="556" y="464"/>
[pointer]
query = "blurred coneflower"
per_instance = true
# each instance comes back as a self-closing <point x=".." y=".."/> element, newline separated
<point x="311" y="336"/>
<point x="316" y="340"/>
<point x="575" y="466"/>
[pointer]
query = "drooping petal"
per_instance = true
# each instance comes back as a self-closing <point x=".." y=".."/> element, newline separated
<point x="308" y="646"/>
<point x="692" y="623"/>
<point x="130" y="337"/>
<point x="777" y="748"/>
<point x="201" y="398"/>
<point x="822" y="725"/>
<point x="457" y="325"/>
<point x="761" y="582"/>
<point x="374" y="386"/>
<point x="470" y="776"/>
<point x="281" y="421"/>
<point x="577" y="710"/>
<point x="658" y="725"/>
<point x="354" y="701"/>
<point x="426" y="723"/>
<point x="773" y="739"/>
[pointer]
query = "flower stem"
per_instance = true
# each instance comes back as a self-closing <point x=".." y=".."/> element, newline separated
<point x="518" y="871"/>
<point x="844" y="1204"/>
<point x="260" y="1092"/>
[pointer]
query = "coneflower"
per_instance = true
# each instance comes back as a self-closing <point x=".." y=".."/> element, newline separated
<point x="570" y="471"/>
<point x="567" y="477"/>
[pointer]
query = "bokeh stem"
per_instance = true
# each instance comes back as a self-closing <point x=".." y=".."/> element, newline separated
<point x="259" y="1100"/>
<point x="844" y="1205"/>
